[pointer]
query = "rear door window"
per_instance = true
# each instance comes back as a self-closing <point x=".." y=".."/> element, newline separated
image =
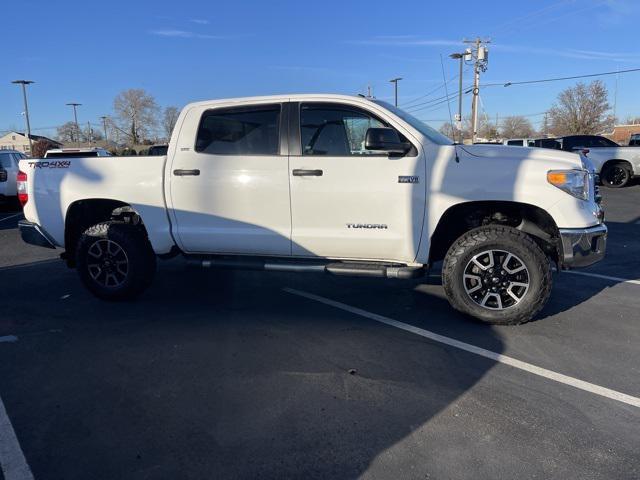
<point x="251" y="130"/>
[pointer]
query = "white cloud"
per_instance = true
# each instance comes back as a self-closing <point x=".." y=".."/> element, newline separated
<point x="199" y="21"/>
<point x="185" y="34"/>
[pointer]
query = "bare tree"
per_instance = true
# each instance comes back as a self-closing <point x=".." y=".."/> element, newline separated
<point x="633" y="121"/>
<point x="486" y="129"/>
<point x="516" y="127"/>
<point x="137" y="112"/>
<point x="169" y="119"/>
<point x="581" y="110"/>
<point x="67" y="132"/>
<point x="449" y="130"/>
<point x="41" y="146"/>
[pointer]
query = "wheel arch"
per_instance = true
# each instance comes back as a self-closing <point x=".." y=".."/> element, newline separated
<point x="618" y="160"/>
<point x="462" y="217"/>
<point x="82" y="214"/>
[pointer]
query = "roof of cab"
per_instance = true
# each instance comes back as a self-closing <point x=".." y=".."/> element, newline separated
<point x="280" y="98"/>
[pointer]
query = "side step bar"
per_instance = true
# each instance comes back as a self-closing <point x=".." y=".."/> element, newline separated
<point x="359" y="269"/>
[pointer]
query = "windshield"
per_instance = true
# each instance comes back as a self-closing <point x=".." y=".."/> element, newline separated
<point x="431" y="133"/>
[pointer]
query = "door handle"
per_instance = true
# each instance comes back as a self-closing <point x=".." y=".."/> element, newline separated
<point x="306" y="173"/>
<point x="182" y="173"/>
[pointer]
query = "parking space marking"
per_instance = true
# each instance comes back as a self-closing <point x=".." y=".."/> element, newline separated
<point x="14" y="465"/>
<point x="467" y="347"/>
<point x="11" y="216"/>
<point x="604" y="277"/>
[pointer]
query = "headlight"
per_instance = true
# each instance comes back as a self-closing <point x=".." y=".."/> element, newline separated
<point x="574" y="182"/>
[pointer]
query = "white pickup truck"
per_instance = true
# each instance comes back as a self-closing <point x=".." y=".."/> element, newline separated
<point x="616" y="165"/>
<point x="332" y="183"/>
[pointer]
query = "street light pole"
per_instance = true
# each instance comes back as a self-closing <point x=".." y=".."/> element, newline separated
<point x="24" y="84"/>
<point x="395" y="87"/>
<point x="459" y="56"/>
<point x="75" y="116"/>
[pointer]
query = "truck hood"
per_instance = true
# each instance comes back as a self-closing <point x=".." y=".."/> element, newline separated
<point x="552" y="159"/>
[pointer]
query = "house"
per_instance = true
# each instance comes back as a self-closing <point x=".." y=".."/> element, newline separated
<point x="19" y="141"/>
<point x="622" y="133"/>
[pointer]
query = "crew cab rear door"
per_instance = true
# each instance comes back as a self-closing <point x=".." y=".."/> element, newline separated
<point x="229" y="180"/>
<point x="348" y="202"/>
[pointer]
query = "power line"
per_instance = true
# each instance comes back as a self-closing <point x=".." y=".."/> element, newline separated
<point x="558" y="79"/>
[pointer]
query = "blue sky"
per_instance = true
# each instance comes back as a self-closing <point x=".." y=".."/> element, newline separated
<point x="188" y="50"/>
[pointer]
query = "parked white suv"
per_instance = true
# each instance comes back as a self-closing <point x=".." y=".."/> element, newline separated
<point x="8" y="172"/>
<point x="76" y="152"/>
<point x="330" y="183"/>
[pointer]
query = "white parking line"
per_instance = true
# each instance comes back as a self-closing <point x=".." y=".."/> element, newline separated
<point x="498" y="357"/>
<point x="11" y="216"/>
<point x="604" y="277"/>
<point x="14" y="465"/>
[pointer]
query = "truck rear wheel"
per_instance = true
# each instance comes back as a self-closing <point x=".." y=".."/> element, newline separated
<point x="115" y="260"/>
<point x="497" y="274"/>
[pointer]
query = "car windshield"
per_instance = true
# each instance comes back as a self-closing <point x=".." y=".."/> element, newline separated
<point x="431" y="133"/>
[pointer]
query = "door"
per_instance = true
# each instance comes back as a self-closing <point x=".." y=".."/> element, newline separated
<point x="348" y="202"/>
<point x="230" y="182"/>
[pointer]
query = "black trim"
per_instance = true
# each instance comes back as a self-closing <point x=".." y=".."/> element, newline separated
<point x="283" y="129"/>
<point x="297" y="172"/>
<point x="295" y="142"/>
<point x="180" y="172"/>
<point x="32" y="234"/>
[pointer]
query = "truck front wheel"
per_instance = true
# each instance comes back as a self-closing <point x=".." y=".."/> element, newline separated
<point x="115" y="260"/>
<point x="616" y="174"/>
<point x="497" y="274"/>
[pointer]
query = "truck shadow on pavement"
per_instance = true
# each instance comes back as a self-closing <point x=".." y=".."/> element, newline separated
<point x="222" y="375"/>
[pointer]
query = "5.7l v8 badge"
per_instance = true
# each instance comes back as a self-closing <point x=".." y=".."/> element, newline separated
<point x="408" y="179"/>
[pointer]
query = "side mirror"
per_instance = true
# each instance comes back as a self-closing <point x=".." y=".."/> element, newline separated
<point x="385" y="140"/>
<point x="3" y="175"/>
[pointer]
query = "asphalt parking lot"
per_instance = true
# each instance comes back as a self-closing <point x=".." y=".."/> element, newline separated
<point x="254" y="375"/>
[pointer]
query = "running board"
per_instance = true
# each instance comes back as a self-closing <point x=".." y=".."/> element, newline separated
<point x="360" y="269"/>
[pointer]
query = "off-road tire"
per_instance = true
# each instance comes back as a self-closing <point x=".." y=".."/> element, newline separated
<point x="141" y="266"/>
<point x="506" y="239"/>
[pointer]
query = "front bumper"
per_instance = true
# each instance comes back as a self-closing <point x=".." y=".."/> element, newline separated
<point x="33" y="234"/>
<point x="580" y="247"/>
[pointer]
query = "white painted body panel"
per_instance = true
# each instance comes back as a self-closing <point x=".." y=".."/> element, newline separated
<point x="359" y="190"/>
<point x="243" y="205"/>
<point x="133" y="180"/>
<point x="238" y="204"/>
<point x="600" y="155"/>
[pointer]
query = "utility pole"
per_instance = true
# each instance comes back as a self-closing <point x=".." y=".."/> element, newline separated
<point x="369" y="91"/>
<point x="480" y="55"/>
<point x="104" y="124"/>
<point x="395" y="88"/>
<point x="24" y="84"/>
<point x="75" y="116"/>
<point x="90" y="131"/>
